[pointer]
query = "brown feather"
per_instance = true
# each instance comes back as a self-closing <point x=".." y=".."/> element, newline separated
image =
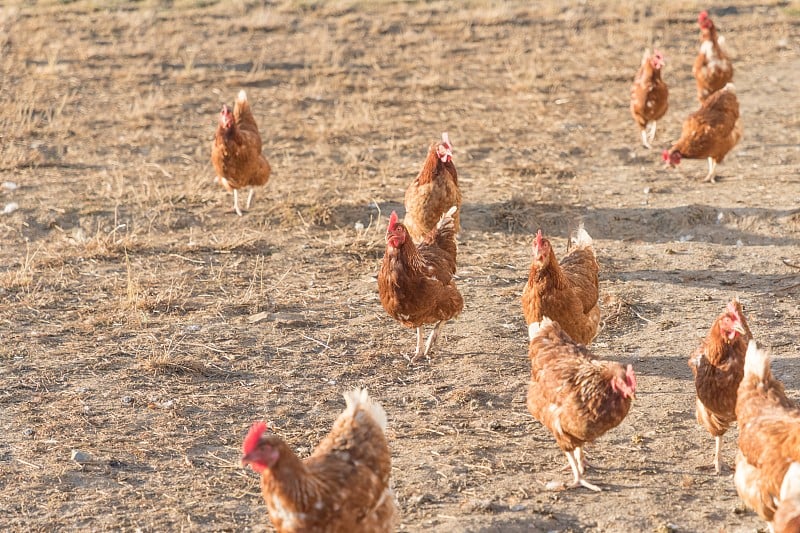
<point x="431" y="194"/>
<point x="649" y="94"/>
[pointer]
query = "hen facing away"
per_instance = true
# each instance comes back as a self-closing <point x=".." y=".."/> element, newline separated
<point x="709" y="133"/>
<point x="649" y="95"/>
<point x="433" y="191"/>
<point x="576" y="397"/>
<point x="342" y="487"/>
<point x="565" y="291"/>
<point x="236" y="152"/>
<point x="712" y="67"/>
<point x="769" y="435"/>
<point x="416" y="282"/>
<point x="718" y="365"/>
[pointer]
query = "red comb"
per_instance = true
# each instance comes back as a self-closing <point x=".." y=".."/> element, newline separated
<point x="702" y="16"/>
<point x="732" y="309"/>
<point x="539" y="238"/>
<point x="253" y="436"/>
<point x="392" y="221"/>
<point x="665" y="155"/>
<point x="446" y="139"/>
<point x="631" y="377"/>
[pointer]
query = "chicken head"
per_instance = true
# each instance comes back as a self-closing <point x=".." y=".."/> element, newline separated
<point x="257" y="449"/>
<point x="625" y="383"/>
<point x="657" y="60"/>
<point x="541" y="249"/>
<point x="395" y="233"/>
<point x="445" y="149"/>
<point x="226" y="117"/>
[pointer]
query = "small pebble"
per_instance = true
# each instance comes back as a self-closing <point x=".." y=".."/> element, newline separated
<point x="29" y="432"/>
<point x="127" y="400"/>
<point x="10" y="208"/>
<point x="9" y="185"/>
<point x="359" y="226"/>
<point x="80" y="457"/>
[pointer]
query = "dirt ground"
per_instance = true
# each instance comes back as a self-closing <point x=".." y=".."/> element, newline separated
<point x="144" y="326"/>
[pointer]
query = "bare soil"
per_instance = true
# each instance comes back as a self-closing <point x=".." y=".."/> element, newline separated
<point x="145" y="326"/>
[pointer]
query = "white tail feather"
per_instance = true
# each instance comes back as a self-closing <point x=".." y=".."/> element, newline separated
<point x="242" y="96"/>
<point x="447" y="216"/>
<point x="582" y="237"/>
<point x="790" y="488"/>
<point x="359" y="398"/>
<point x="756" y="362"/>
<point x="730" y="87"/>
<point x="535" y="327"/>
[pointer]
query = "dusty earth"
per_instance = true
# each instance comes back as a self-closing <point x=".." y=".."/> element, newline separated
<point x="144" y="326"/>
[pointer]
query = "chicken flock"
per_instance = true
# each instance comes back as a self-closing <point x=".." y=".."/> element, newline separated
<point x="344" y="485"/>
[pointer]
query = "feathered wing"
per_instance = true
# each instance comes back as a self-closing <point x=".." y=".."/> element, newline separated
<point x="580" y="266"/>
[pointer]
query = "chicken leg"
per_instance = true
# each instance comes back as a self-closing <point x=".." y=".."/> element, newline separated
<point x="433" y="336"/>
<point x="645" y="142"/>
<point x="651" y="132"/>
<point x="576" y="472"/>
<point x="236" y="202"/>
<point x="712" y="167"/>
<point x="717" y="447"/>
<point x="419" y="344"/>
<point x="250" y="197"/>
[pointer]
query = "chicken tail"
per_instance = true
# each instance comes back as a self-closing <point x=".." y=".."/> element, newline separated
<point x="581" y="237"/>
<point x="358" y="398"/>
<point x="242" y="97"/>
<point x="756" y="361"/>
<point x="730" y="87"/>
<point x="790" y="488"/>
<point x="447" y="218"/>
<point x="535" y="327"/>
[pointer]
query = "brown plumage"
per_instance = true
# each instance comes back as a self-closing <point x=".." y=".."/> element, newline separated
<point x="712" y="67"/>
<point x="710" y="132"/>
<point x="718" y="366"/>
<point x="433" y="191"/>
<point x="236" y="152"/>
<point x="416" y="282"/>
<point x="769" y="435"/>
<point x="565" y="291"/>
<point x="573" y="395"/>
<point x="787" y="516"/>
<point x="343" y="486"/>
<point x="649" y="95"/>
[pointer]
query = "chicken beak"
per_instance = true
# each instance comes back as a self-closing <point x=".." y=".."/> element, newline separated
<point x="739" y="328"/>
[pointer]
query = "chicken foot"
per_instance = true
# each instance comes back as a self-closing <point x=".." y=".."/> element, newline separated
<point x="717" y="448"/>
<point x="577" y="471"/>
<point x="712" y="168"/>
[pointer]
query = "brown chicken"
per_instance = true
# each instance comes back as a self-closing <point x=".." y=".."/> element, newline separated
<point x="236" y="153"/>
<point x="343" y="486"/>
<point x="712" y="68"/>
<point x="433" y="191"/>
<point x="769" y="435"/>
<point x="567" y="292"/>
<point x="649" y="95"/>
<point x="718" y="366"/>
<point x="787" y="517"/>
<point x="416" y="282"/>
<point x="710" y="132"/>
<point x="573" y="395"/>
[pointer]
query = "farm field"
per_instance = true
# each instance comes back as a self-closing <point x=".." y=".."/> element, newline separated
<point x="144" y="325"/>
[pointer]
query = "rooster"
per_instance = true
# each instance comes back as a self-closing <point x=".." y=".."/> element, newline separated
<point x="649" y="95"/>
<point x="710" y="132"/>
<point x="712" y="68"/>
<point x="236" y="152"/>
<point x="567" y="292"/>
<point x="718" y="366"/>
<point x="433" y="191"/>
<point x="769" y="435"/>
<point x="342" y="486"/>
<point x="573" y="395"/>
<point x="416" y="282"/>
<point x="787" y="517"/>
